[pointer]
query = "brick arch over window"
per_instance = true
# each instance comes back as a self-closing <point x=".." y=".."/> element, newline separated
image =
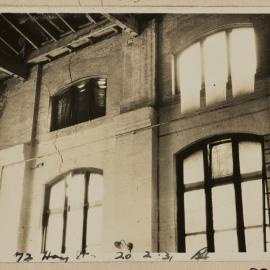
<point x="72" y="217"/>
<point x="78" y="102"/>
<point x="220" y="194"/>
<point x="218" y="66"/>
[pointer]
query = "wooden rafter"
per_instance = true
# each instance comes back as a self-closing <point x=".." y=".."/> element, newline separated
<point x="127" y="22"/>
<point x="67" y="41"/>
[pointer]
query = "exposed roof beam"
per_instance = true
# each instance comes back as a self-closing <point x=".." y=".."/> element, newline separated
<point x="81" y="34"/>
<point x="41" y="26"/>
<point x="90" y="18"/>
<point x="19" y="31"/>
<point x="61" y="31"/>
<point x="9" y="46"/>
<point x="65" y="22"/>
<point x="13" y="67"/>
<point x="127" y="23"/>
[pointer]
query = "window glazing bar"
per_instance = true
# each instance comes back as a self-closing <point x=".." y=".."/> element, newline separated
<point x="85" y="211"/>
<point x="180" y="207"/>
<point x="208" y="198"/>
<point x="202" y="92"/>
<point x="65" y="213"/>
<point x="238" y="198"/>
<point x="229" y="80"/>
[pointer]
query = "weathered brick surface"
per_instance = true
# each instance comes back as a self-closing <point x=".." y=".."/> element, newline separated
<point x="247" y="114"/>
<point x="121" y="145"/>
<point x="16" y="121"/>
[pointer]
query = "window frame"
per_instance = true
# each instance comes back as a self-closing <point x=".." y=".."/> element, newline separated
<point x="70" y="87"/>
<point x="86" y="205"/>
<point x="207" y="184"/>
<point x="175" y="79"/>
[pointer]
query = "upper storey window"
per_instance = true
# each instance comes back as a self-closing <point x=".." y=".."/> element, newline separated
<point x="79" y="103"/>
<point x="216" y="67"/>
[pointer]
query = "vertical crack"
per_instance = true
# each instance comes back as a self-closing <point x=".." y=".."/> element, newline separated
<point x="59" y="153"/>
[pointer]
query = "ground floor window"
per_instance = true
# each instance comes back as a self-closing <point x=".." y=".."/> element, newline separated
<point x="72" y="219"/>
<point x="220" y="195"/>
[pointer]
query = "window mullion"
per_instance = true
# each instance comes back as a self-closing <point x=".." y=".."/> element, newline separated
<point x="45" y="219"/>
<point x="208" y="198"/>
<point x="229" y="94"/>
<point x="202" y="92"/>
<point x="180" y="206"/>
<point x="85" y="211"/>
<point x="238" y="198"/>
<point x="65" y="213"/>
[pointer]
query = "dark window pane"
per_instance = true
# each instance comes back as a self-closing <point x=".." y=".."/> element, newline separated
<point x="63" y="110"/>
<point x="81" y="102"/>
<point x="97" y="97"/>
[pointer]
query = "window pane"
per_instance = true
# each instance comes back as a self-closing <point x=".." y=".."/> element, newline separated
<point x="195" y="216"/>
<point x="63" y="111"/>
<point x="189" y="70"/>
<point x="74" y="231"/>
<point x="94" y="227"/>
<point x="75" y="191"/>
<point x="243" y="60"/>
<point x="193" y="168"/>
<point x="224" y="215"/>
<point x="215" y="67"/>
<point x="222" y="163"/>
<point x="81" y="103"/>
<point x="250" y="155"/>
<point x="195" y="242"/>
<point x="95" y="192"/>
<point x="226" y="242"/>
<point x="97" y="92"/>
<point x="254" y="240"/>
<point x="57" y="195"/>
<point x="252" y="202"/>
<point x="54" y="233"/>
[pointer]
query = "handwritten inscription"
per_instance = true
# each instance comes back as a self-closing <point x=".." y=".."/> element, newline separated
<point x="23" y="257"/>
<point x="202" y="254"/>
<point x="48" y="256"/>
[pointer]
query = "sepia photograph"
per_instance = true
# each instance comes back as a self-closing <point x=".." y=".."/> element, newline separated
<point x="134" y="136"/>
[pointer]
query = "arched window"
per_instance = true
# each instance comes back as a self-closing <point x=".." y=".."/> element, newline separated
<point x="72" y="220"/>
<point x="220" y="195"/>
<point x="80" y="102"/>
<point x="216" y="67"/>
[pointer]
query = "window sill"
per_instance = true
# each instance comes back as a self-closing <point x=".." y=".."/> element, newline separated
<point x="176" y="100"/>
<point x="78" y="127"/>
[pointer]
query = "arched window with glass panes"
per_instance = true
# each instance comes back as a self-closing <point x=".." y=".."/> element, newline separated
<point x="81" y="101"/>
<point x="220" y="195"/>
<point x="215" y="68"/>
<point x="72" y="219"/>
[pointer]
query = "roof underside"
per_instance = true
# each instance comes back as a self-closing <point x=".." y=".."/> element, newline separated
<point x="31" y="38"/>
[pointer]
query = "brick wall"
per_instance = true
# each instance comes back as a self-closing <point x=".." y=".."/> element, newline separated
<point x="247" y="114"/>
<point x="121" y="143"/>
